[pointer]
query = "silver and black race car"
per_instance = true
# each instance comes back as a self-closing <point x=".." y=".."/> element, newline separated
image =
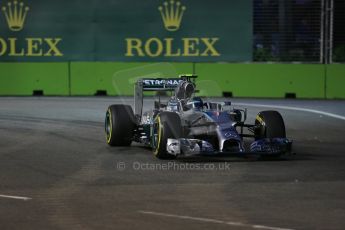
<point x="187" y="125"/>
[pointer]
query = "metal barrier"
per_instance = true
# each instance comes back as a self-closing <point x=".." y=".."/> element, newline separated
<point x="298" y="31"/>
<point x="338" y="50"/>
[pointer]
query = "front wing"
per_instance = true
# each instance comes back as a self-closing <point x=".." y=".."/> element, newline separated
<point x="190" y="147"/>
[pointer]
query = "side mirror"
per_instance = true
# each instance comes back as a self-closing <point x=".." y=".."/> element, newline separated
<point x="238" y="115"/>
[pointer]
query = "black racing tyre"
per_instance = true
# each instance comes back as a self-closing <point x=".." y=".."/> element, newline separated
<point x="269" y="124"/>
<point x="166" y="125"/>
<point x="119" y="125"/>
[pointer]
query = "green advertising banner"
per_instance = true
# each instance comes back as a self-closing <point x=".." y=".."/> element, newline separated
<point x="125" y="30"/>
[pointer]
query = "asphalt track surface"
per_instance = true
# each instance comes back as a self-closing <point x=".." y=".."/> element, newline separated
<point x="56" y="172"/>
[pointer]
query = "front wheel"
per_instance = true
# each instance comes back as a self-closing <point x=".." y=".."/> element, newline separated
<point x="269" y="124"/>
<point x="167" y="125"/>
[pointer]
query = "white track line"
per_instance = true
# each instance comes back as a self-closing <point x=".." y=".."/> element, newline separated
<point x="214" y="221"/>
<point x="294" y="108"/>
<point x="16" y="197"/>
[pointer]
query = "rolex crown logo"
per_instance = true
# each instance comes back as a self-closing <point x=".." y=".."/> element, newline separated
<point x="15" y="13"/>
<point x="172" y="13"/>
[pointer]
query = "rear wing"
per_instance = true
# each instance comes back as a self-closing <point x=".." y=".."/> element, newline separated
<point x="159" y="84"/>
<point x="164" y="84"/>
<point x="156" y="84"/>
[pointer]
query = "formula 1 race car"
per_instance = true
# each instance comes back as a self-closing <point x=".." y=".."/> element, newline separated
<point x="186" y="125"/>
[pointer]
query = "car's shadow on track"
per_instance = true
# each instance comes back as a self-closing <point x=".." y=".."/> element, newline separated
<point x="214" y="159"/>
<point x="139" y="149"/>
<point x="294" y="156"/>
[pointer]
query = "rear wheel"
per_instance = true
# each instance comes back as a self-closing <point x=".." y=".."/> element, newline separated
<point x="269" y="124"/>
<point x="119" y="125"/>
<point x="167" y="125"/>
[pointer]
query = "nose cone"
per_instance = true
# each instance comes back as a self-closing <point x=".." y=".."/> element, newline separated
<point x="229" y="140"/>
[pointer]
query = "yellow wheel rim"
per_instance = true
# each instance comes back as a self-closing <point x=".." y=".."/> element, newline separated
<point x="159" y="133"/>
<point x="109" y="126"/>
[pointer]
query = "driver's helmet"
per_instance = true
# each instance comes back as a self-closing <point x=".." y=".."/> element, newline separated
<point x="173" y="105"/>
<point x="195" y="103"/>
